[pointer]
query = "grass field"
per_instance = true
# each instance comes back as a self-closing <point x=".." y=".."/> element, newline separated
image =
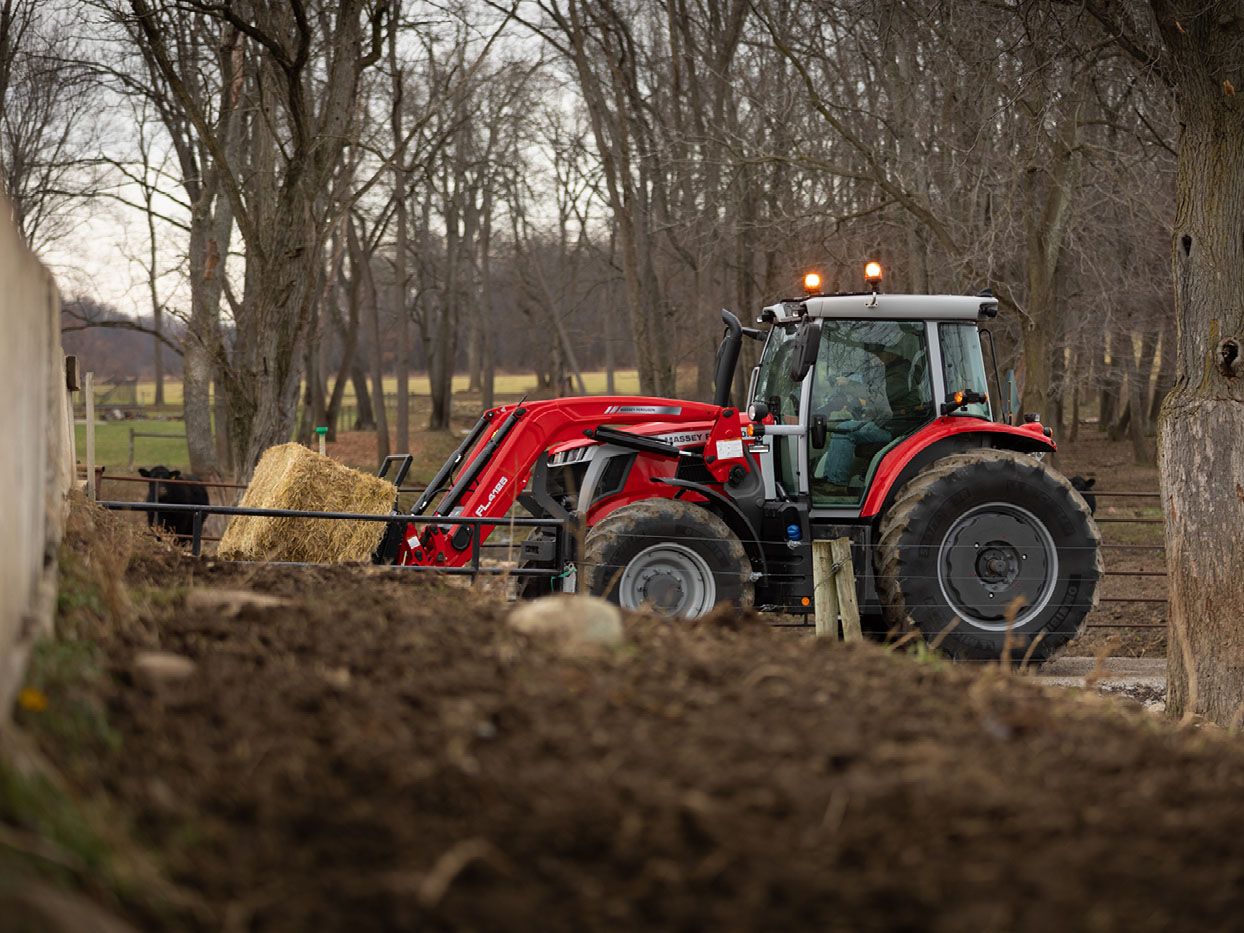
<point x="626" y="382"/>
<point x="112" y="444"/>
<point x="112" y="439"/>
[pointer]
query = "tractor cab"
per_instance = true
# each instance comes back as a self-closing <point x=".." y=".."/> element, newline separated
<point x="845" y="379"/>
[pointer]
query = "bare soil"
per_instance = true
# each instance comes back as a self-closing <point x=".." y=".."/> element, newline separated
<point x="385" y="752"/>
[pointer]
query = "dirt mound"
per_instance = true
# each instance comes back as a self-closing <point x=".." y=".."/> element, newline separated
<point x="382" y="752"/>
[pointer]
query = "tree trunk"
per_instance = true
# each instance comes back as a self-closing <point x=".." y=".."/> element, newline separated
<point x="610" y="378"/>
<point x="364" y="415"/>
<point x="157" y="356"/>
<point x="306" y="417"/>
<point x="403" y="328"/>
<point x="488" y="375"/>
<point x="1201" y="446"/>
<point x="1109" y="399"/>
<point x="348" y="334"/>
<point x="1135" y="407"/>
<point x="1036" y="395"/>
<point x="1058" y="376"/>
<point x="475" y="350"/>
<point x="1144" y="374"/>
<point x="265" y="380"/>
<point x="211" y="226"/>
<point x="1166" y="369"/>
<point x="220" y="418"/>
<point x="362" y="269"/>
<point x="1073" y="432"/>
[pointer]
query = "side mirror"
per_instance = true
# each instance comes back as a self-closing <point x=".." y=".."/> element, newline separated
<point x="960" y="399"/>
<point x="820" y="431"/>
<point x="807" y="345"/>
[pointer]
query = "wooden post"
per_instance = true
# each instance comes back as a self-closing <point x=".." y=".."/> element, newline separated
<point x="131" y="448"/>
<point x="88" y="390"/>
<point x="73" y="437"/>
<point x="833" y="589"/>
<point x="824" y="593"/>
<point x="844" y="582"/>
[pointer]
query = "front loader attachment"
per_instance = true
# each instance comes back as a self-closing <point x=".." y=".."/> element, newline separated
<point x="497" y="459"/>
<point x="443" y="475"/>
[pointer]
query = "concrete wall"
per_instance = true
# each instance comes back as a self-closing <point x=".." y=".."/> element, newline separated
<point x="35" y="466"/>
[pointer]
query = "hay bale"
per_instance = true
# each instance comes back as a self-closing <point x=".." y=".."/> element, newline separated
<point x="290" y="476"/>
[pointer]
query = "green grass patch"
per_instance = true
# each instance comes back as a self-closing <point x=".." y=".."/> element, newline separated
<point x="51" y="834"/>
<point x="112" y="444"/>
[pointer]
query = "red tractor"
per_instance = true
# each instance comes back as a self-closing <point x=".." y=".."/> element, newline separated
<point x="869" y="419"/>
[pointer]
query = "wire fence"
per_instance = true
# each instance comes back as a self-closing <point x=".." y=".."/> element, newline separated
<point x="510" y="543"/>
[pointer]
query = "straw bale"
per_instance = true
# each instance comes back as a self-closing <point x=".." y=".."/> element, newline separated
<point x="289" y="476"/>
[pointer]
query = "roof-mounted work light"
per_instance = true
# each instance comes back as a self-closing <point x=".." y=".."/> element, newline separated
<point x="873" y="274"/>
<point x="812" y="283"/>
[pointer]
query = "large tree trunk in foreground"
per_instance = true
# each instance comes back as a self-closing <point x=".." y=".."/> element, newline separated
<point x="210" y="233"/>
<point x="267" y="366"/>
<point x="1201" y="447"/>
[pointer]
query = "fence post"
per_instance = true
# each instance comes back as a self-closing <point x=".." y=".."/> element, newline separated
<point x="833" y="589"/>
<point x="824" y="593"/>
<point x="131" y="465"/>
<point x="844" y="582"/>
<point x="71" y="386"/>
<point x="89" y="399"/>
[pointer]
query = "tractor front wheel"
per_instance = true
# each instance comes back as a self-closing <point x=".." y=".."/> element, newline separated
<point x="674" y="557"/>
<point x="988" y="554"/>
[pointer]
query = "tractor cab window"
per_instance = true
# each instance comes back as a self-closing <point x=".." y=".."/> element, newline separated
<point x="963" y="365"/>
<point x="777" y="390"/>
<point x="872" y="389"/>
<point x="774" y="386"/>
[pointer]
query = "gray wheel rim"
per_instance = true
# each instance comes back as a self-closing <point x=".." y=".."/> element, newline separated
<point x="670" y="578"/>
<point x="992" y="554"/>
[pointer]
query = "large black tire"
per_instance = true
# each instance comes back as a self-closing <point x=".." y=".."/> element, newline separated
<point x="972" y="532"/>
<point x="672" y="556"/>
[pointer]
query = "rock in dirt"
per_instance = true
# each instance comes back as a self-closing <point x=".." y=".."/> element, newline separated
<point x="232" y="602"/>
<point x="155" y="668"/>
<point x="578" y="623"/>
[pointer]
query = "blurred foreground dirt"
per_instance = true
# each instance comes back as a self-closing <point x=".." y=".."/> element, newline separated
<point x="365" y="752"/>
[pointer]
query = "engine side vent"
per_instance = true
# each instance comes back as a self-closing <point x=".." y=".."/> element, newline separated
<point x="614" y="476"/>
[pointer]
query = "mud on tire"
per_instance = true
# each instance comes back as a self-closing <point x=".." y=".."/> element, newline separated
<point x="972" y="532"/>
<point x="654" y="551"/>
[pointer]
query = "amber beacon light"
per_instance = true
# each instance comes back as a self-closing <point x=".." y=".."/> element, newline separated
<point x="873" y="273"/>
<point x="812" y="283"/>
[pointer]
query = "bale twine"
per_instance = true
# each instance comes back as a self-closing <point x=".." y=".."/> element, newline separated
<point x="289" y="476"/>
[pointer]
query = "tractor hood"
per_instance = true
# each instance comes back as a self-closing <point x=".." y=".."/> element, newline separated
<point x="680" y="435"/>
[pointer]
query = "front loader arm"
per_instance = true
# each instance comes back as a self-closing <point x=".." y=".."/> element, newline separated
<point x="502" y="456"/>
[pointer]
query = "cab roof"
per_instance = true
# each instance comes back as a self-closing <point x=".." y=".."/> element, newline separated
<point x="888" y="307"/>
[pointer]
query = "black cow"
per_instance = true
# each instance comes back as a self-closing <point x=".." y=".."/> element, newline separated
<point x="1083" y="486"/>
<point x="184" y="493"/>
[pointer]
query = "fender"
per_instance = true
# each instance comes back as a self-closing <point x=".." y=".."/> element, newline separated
<point x="734" y="516"/>
<point x="1028" y="438"/>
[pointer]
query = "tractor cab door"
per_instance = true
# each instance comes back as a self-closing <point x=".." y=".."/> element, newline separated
<point x="871" y="388"/>
<point x="773" y="385"/>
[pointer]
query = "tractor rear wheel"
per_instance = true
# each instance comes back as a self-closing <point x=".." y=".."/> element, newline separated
<point x="674" y="557"/>
<point x="989" y="553"/>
